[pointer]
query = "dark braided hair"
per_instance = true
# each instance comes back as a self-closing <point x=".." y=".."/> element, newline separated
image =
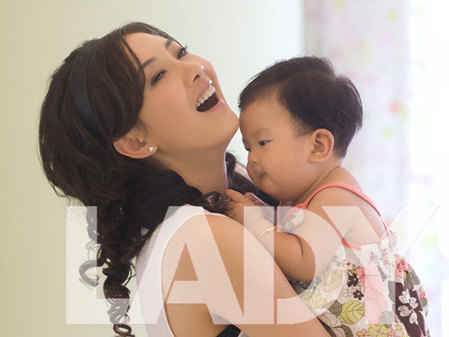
<point x="80" y="162"/>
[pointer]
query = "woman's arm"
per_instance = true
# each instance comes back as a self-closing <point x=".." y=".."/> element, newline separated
<point x="214" y="268"/>
<point x="245" y="259"/>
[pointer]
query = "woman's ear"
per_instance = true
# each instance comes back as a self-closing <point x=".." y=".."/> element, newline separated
<point x="322" y="142"/>
<point x="134" y="144"/>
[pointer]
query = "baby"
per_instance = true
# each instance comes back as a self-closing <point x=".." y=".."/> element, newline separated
<point x="297" y="120"/>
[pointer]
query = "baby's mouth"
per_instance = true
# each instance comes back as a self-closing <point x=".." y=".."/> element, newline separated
<point x="208" y="100"/>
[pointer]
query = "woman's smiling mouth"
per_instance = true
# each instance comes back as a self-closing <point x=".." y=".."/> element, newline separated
<point x="208" y="100"/>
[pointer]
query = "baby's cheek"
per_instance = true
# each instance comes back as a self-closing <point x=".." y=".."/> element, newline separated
<point x="251" y="173"/>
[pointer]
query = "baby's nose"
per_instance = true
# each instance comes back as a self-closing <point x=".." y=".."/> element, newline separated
<point x="252" y="159"/>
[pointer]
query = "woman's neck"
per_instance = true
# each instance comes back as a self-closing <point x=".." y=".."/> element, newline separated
<point x="205" y="171"/>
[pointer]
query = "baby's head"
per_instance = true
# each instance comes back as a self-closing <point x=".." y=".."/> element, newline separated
<point x="296" y="116"/>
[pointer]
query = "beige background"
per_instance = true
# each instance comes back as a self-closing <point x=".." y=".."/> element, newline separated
<point x="239" y="37"/>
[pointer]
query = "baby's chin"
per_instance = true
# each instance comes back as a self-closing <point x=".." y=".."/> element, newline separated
<point x="262" y="185"/>
<point x="276" y="195"/>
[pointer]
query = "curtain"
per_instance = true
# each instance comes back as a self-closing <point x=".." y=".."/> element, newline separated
<point x="394" y="53"/>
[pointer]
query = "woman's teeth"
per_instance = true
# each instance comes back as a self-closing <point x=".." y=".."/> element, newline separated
<point x="205" y="96"/>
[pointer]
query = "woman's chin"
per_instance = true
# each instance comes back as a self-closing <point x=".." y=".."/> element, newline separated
<point x="231" y="125"/>
<point x="236" y="124"/>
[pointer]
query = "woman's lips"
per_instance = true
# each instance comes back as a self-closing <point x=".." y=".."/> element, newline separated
<point x="209" y="103"/>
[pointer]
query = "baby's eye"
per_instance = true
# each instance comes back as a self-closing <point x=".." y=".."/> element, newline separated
<point x="263" y="142"/>
<point x="247" y="149"/>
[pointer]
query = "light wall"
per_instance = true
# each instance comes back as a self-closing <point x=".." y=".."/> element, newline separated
<point x="239" y="37"/>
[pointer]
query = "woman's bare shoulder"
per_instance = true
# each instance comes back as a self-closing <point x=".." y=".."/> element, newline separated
<point x="224" y="226"/>
<point x="225" y="250"/>
<point x="221" y="225"/>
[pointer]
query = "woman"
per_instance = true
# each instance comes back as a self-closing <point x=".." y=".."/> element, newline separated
<point x="133" y="124"/>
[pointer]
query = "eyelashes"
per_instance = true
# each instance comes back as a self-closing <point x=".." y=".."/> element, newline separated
<point x="260" y="143"/>
<point x="182" y="51"/>
<point x="160" y="74"/>
<point x="157" y="77"/>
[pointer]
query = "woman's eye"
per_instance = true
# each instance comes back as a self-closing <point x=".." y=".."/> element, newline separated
<point x="157" y="77"/>
<point x="247" y="149"/>
<point x="182" y="52"/>
<point x="263" y="142"/>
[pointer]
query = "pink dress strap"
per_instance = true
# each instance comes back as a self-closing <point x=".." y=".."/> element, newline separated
<point x="349" y="188"/>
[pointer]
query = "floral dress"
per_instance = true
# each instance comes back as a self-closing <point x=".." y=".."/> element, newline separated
<point x="366" y="290"/>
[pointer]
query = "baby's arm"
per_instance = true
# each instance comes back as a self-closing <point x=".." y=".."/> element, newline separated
<point x="307" y="249"/>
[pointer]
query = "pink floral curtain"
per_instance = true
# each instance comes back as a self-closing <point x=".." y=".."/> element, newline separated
<point x="394" y="53"/>
<point x="365" y="41"/>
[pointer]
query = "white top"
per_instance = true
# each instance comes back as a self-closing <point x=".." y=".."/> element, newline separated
<point x="149" y="270"/>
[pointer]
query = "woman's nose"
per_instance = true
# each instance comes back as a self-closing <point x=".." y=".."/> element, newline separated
<point x="194" y="71"/>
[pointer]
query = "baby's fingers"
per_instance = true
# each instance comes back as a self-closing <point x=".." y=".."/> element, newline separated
<point x="235" y="196"/>
<point x="233" y="211"/>
<point x="251" y="197"/>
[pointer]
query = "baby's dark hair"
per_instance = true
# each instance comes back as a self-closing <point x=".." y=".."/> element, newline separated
<point x="317" y="98"/>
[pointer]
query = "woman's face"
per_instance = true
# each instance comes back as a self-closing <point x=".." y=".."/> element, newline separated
<point x="183" y="107"/>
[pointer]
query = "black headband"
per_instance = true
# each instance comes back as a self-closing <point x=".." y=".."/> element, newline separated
<point x="78" y="84"/>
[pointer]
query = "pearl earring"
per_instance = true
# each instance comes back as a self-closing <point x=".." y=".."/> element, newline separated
<point x="151" y="149"/>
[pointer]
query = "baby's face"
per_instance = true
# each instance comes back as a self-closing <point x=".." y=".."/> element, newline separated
<point x="278" y="159"/>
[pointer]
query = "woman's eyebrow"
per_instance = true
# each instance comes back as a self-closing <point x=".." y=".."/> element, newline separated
<point x="147" y="62"/>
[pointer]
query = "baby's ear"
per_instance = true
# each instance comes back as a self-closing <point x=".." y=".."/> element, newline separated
<point x="322" y="143"/>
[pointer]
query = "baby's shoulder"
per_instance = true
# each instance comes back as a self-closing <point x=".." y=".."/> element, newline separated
<point x="337" y="194"/>
<point x="340" y="188"/>
<point x="363" y="221"/>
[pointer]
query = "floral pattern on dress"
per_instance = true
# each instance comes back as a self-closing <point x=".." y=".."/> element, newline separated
<point x="338" y="295"/>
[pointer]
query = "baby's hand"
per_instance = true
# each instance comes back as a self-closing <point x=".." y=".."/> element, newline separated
<point x="237" y="203"/>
